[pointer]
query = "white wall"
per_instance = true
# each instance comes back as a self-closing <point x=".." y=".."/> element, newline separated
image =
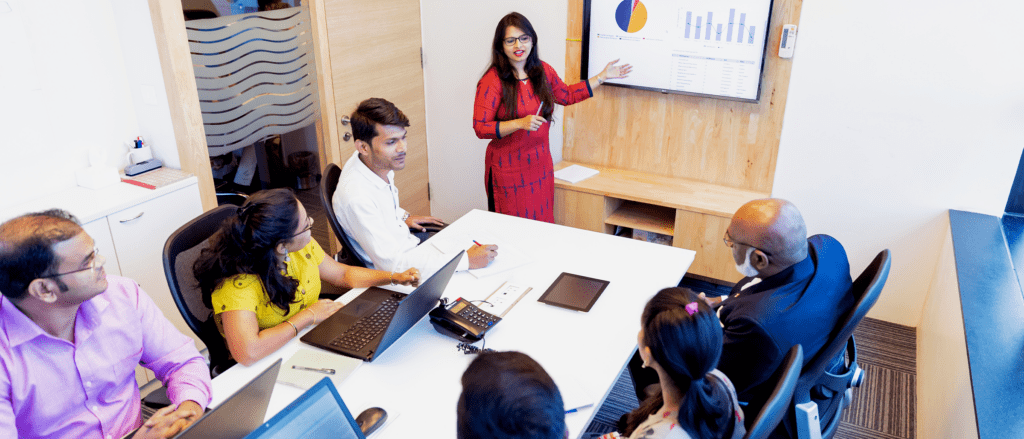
<point x="898" y="111"/>
<point x="65" y="89"/>
<point x="945" y="399"/>
<point x="457" y="38"/>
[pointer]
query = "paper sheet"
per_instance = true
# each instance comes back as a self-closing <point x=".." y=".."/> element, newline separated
<point x="509" y="256"/>
<point x="343" y="367"/>
<point x="575" y="173"/>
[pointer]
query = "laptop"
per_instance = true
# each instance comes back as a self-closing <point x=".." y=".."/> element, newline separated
<point x="370" y="323"/>
<point x="240" y="414"/>
<point x="318" y="413"/>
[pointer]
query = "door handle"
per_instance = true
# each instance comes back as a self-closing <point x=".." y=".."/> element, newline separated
<point x="125" y="221"/>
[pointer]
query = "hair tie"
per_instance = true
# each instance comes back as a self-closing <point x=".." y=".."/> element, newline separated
<point x="691" y="308"/>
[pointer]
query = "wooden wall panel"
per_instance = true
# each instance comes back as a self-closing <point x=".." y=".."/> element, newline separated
<point x="722" y="142"/>
<point x="375" y="52"/>
<point x="182" y="95"/>
<point x="703" y="233"/>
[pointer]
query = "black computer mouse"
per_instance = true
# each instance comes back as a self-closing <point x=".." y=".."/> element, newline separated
<point x="371" y="419"/>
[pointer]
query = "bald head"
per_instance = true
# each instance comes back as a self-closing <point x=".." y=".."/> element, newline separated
<point x="773" y="226"/>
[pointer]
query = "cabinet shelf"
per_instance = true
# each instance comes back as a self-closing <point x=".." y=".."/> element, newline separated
<point x="648" y="217"/>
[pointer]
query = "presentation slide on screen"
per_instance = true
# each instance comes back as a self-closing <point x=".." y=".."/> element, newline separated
<point x="709" y="47"/>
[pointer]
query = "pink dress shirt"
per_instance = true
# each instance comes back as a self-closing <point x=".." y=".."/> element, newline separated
<point x="51" y="388"/>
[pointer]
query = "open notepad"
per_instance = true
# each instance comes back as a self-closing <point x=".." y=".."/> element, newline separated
<point x="297" y="370"/>
<point x="509" y="256"/>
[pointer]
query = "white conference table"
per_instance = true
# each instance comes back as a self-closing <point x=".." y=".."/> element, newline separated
<point x="418" y="379"/>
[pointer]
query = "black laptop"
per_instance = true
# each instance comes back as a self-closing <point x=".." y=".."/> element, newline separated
<point x="365" y="327"/>
<point x="318" y="413"/>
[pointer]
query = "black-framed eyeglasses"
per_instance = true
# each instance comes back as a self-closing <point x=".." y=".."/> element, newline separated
<point x="524" y="39"/>
<point x="729" y="243"/>
<point x="309" y="226"/>
<point x="93" y="264"/>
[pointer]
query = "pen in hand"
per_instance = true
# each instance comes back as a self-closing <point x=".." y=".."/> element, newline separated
<point x="477" y="243"/>
<point x="314" y="369"/>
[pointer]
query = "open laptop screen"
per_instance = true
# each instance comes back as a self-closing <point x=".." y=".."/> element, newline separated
<point x="318" y="413"/>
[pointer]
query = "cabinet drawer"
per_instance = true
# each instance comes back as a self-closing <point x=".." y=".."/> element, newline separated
<point x="99" y="231"/>
<point x="139" y="234"/>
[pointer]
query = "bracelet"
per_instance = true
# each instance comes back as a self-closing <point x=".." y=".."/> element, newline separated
<point x="313" y="313"/>
<point x="391" y="277"/>
<point x="296" y="328"/>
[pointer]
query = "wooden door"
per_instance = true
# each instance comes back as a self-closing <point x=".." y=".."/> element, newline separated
<point x="374" y="50"/>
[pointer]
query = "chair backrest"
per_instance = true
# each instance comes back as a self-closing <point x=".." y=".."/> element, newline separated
<point x="777" y="406"/>
<point x="180" y="253"/>
<point x="327" y="186"/>
<point x="865" y="290"/>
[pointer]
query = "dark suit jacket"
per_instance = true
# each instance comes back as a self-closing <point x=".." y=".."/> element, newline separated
<point x="800" y="305"/>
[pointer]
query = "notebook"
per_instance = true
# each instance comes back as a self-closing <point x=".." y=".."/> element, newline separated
<point x="370" y="323"/>
<point x="318" y="413"/>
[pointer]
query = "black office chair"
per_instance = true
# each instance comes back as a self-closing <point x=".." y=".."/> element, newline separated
<point x="180" y="253"/>
<point x="777" y="406"/>
<point x="327" y="186"/>
<point x="835" y="392"/>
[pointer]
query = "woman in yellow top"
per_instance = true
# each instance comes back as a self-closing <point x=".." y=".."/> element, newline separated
<point x="262" y="271"/>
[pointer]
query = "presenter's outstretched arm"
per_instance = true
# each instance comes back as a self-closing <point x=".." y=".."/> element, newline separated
<point x="611" y="71"/>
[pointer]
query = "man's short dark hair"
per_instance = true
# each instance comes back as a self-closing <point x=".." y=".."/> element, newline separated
<point x="507" y="395"/>
<point x="375" y="111"/>
<point x="26" y="248"/>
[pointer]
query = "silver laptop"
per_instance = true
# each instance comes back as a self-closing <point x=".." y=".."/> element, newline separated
<point x="318" y="413"/>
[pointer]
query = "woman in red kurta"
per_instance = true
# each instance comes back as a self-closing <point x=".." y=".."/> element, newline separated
<point x="514" y="102"/>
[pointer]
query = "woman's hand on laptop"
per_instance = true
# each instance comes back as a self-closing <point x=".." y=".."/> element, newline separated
<point x="323" y="308"/>
<point x="169" y="421"/>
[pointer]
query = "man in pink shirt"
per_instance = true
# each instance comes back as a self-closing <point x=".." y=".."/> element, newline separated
<point x="71" y="337"/>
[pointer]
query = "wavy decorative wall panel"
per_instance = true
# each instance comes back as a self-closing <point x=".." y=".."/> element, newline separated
<point x="256" y="76"/>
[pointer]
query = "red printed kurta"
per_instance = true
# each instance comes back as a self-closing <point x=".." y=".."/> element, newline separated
<point x="519" y="164"/>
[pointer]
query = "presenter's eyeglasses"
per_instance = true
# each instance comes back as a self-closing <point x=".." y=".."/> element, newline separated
<point x="95" y="262"/>
<point x="524" y="39"/>
<point x="729" y="243"/>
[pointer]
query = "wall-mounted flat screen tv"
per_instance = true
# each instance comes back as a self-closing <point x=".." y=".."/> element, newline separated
<point x="710" y="48"/>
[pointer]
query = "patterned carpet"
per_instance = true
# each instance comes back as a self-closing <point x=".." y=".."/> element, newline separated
<point x="884" y="407"/>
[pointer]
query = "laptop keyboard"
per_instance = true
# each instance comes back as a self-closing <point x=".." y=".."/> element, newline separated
<point x="368" y="327"/>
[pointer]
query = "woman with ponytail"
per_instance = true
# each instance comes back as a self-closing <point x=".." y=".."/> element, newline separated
<point x="262" y="271"/>
<point x="681" y="339"/>
<point x="514" y="102"/>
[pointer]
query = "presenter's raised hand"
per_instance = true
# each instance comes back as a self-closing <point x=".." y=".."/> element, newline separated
<point x="612" y="71"/>
<point x="410" y="277"/>
<point x="530" y="123"/>
<point x="481" y="256"/>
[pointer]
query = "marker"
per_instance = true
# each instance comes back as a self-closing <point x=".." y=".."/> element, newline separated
<point x="313" y="369"/>
<point x="477" y="243"/>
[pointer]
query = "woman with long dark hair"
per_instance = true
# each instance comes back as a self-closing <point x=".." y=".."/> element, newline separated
<point x="514" y="102"/>
<point x="681" y="339"/>
<point x="262" y="272"/>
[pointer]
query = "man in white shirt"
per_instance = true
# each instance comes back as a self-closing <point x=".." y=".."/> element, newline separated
<point x="366" y="200"/>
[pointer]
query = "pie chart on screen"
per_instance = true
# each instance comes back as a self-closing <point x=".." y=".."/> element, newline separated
<point x="631" y="15"/>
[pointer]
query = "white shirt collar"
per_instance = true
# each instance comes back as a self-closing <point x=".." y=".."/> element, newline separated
<point x="368" y="173"/>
